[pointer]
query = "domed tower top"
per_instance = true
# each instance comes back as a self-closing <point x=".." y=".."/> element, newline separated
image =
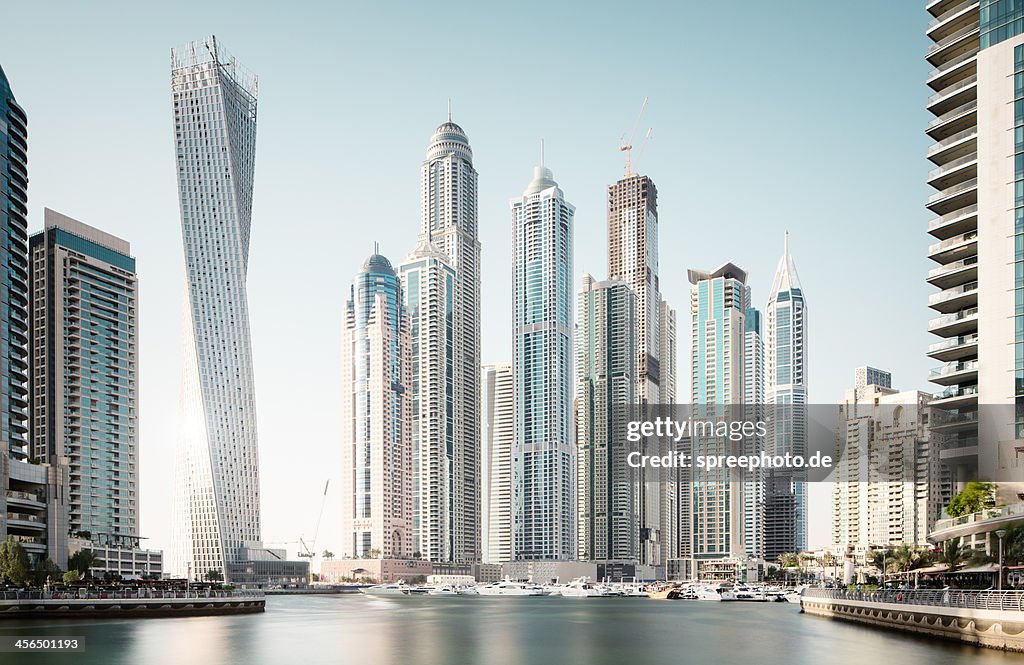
<point x="376" y="263"/>
<point x="449" y="139"/>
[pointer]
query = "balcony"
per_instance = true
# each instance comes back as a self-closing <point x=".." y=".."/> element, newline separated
<point x="955" y="273"/>
<point x="954" y="348"/>
<point x="953" y="45"/>
<point x="954" y="373"/>
<point x="24" y="499"/>
<point x="954" y="95"/>
<point x="954" y="197"/>
<point x="955" y="397"/>
<point x="950" y="421"/>
<point x="954" y="223"/>
<point x="954" y="70"/>
<point x="954" y="146"/>
<point x="956" y="248"/>
<point x="940" y="7"/>
<point x="956" y="323"/>
<point x="25" y="521"/>
<point x="952" y="20"/>
<point x="955" y="298"/>
<point x="954" y="172"/>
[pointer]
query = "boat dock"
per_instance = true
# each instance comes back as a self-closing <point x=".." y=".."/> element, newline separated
<point x="128" y="603"/>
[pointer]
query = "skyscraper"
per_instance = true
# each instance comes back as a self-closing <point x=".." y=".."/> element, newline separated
<point x="34" y="503"/>
<point x="84" y="372"/>
<point x="449" y="218"/>
<point x="217" y="502"/>
<point x="429" y="287"/>
<point x="633" y="258"/>
<point x="786" y="393"/>
<point x="887" y="490"/>
<point x="376" y="450"/>
<point x="753" y="411"/>
<point x="543" y="455"/>
<point x="497" y="432"/>
<point x="977" y="55"/>
<point x="608" y="528"/>
<point x="719" y="302"/>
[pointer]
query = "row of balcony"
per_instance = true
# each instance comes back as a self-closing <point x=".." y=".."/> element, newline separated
<point x="952" y="19"/>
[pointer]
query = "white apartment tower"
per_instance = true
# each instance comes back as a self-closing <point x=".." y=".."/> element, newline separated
<point x="449" y="219"/>
<point x="543" y="456"/>
<point x="217" y="497"/>
<point x="497" y="433"/>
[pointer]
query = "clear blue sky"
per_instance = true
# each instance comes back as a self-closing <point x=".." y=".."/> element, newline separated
<point x="806" y="116"/>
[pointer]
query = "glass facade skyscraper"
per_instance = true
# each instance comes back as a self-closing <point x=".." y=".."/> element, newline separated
<point x="449" y="219"/>
<point x="377" y="483"/>
<point x="544" y="506"/>
<point x="84" y="373"/>
<point x="786" y="392"/>
<point x="217" y="501"/>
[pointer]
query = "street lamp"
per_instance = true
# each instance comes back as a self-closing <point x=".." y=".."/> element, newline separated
<point x="1001" y="533"/>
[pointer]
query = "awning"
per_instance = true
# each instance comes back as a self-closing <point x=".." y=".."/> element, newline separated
<point x="985" y="568"/>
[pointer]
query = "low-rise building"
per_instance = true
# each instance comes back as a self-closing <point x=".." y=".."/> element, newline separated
<point x="124" y="559"/>
<point x="377" y="571"/>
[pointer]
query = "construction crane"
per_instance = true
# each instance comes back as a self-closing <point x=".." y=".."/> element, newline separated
<point x="309" y="551"/>
<point x="627" y="146"/>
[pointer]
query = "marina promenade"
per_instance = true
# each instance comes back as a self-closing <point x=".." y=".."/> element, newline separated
<point x="128" y="603"/>
<point x="985" y="618"/>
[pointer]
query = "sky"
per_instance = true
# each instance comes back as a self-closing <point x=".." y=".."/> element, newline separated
<point x="804" y="116"/>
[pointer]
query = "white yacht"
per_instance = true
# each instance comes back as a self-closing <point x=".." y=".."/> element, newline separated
<point x="582" y="587"/>
<point x="507" y="587"/>
<point x="399" y="588"/>
<point x="443" y="590"/>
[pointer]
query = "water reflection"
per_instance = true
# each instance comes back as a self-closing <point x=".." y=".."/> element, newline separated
<point x="494" y="631"/>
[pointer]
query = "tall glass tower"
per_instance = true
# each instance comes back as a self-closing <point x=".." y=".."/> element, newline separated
<point x="786" y="391"/>
<point x="14" y="273"/>
<point x="376" y="505"/>
<point x="544" y="507"/>
<point x="217" y="504"/>
<point x="449" y="219"/>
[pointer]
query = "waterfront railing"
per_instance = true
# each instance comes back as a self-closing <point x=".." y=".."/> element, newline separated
<point x="1010" y="601"/>
<point x="129" y="594"/>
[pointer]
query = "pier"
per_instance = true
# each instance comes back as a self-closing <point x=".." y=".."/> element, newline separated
<point x="992" y="619"/>
<point x="128" y="603"/>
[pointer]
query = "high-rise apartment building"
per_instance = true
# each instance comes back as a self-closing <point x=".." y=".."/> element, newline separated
<point x="608" y="529"/>
<point x="429" y="287"/>
<point x="887" y="490"/>
<point x="84" y="373"/>
<point x="753" y="411"/>
<point x="376" y="450"/>
<point x="977" y="55"/>
<point x="216" y="510"/>
<point x="786" y="395"/>
<point x="871" y="376"/>
<point x="633" y="259"/>
<point x="719" y="302"/>
<point x="497" y="432"/>
<point x="543" y="456"/>
<point x="449" y="218"/>
<point x="34" y="503"/>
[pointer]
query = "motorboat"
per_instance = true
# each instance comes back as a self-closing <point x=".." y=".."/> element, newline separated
<point x="443" y="590"/>
<point x="399" y="588"/>
<point x="507" y="587"/>
<point x="582" y="587"/>
<point x="749" y="593"/>
<point x="468" y="591"/>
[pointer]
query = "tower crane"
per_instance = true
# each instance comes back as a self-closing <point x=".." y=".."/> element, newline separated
<point x="627" y="146"/>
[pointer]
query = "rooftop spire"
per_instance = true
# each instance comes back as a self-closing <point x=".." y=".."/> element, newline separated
<point x="449" y="109"/>
<point x="786" y="278"/>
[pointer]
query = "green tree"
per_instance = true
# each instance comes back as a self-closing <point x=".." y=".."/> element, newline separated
<point x="906" y="558"/>
<point x="327" y="554"/>
<point x="975" y="497"/>
<point x="82" y="561"/>
<point x="953" y="553"/>
<point x="13" y="562"/>
<point x="72" y="576"/>
<point x="1013" y="545"/>
<point x="214" y="576"/>
<point x="789" y="560"/>
<point x="46" y="570"/>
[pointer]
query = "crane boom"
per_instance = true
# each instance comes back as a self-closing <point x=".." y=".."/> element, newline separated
<point x="627" y="146"/>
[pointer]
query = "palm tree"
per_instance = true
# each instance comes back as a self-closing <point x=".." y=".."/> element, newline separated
<point x="788" y="560"/>
<point x="907" y="558"/>
<point x="953" y="553"/>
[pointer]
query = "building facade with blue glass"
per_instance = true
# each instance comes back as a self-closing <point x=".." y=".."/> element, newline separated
<point x="544" y="469"/>
<point x="376" y="442"/>
<point x="84" y="373"/>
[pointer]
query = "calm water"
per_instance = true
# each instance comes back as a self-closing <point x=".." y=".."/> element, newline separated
<point x="498" y="631"/>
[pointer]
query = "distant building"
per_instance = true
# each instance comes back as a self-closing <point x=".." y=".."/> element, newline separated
<point x="497" y="432"/>
<point x="376" y="455"/>
<point x="130" y="563"/>
<point x="260" y="567"/>
<point x="870" y="376"/>
<point x="84" y="373"/>
<point x="544" y="466"/>
<point x="888" y="482"/>
<point x="608" y="528"/>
